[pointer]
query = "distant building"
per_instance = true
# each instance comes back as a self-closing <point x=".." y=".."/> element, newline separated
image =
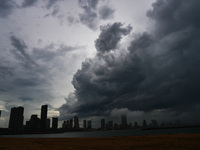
<point x="135" y="124"/>
<point x="144" y="123"/>
<point x="109" y="125"/>
<point x="102" y="123"/>
<point x="64" y="124"/>
<point x="123" y="122"/>
<point x="34" y="123"/>
<point x="89" y="124"/>
<point x="71" y="123"/>
<point x="84" y="124"/>
<point x="16" y="118"/>
<point x="44" y="110"/>
<point x="154" y="123"/>
<point x="54" y="123"/>
<point x="48" y="123"/>
<point x="76" y="122"/>
<point x="115" y="126"/>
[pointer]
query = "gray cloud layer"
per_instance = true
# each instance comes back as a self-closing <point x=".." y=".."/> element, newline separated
<point x="29" y="3"/>
<point x="159" y="70"/>
<point x="6" y="8"/>
<point x="92" y="14"/>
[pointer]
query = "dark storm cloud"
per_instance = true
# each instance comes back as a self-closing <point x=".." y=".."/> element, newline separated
<point x="159" y="70"/>
<point x="20" y="51"/>
<point x="106" y="12"/>
<point x="110" y="36"/>
<point x="29" y="3"/>
<point x="6" y="8"/>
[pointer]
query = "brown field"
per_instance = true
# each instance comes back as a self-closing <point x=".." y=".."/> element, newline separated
<point x="150" y="142"/>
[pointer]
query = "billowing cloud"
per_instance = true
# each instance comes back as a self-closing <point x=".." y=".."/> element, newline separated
<point x="158" y="72"/>
<point x="110" y="36"/>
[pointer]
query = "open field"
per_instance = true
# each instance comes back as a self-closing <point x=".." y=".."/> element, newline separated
<point x="150" y="142"/>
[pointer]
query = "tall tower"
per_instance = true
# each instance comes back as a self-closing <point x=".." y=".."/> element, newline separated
<point x="54" y="123"/>
<point x="102" y="123"/>
<point x="89" y="124"/>
<point x="84" y="124"/>
<point x="16" y="118"/>
<point x="123" y="122"/>
<point x="44" y="110"/>
<point x="76" y="122"/>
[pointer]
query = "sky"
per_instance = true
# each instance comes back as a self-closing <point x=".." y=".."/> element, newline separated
<point x="100" y="59"/>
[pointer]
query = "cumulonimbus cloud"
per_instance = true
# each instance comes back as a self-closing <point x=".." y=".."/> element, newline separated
<point x="159" y="70"/>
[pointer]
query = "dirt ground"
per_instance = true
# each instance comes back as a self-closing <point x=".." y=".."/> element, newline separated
<point x="149" y="142"/>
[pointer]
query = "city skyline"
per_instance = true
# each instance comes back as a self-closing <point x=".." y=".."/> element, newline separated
<point x="35" y="124"/>
<point x="100" y="59"/>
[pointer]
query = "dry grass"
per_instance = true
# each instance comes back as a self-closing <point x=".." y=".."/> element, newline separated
<point x="152" y="142"/>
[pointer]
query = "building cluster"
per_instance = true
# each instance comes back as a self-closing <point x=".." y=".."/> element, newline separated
<point x="34" y="124"/>
<point x="43" y="123"/>
<point x="73" y="124"/>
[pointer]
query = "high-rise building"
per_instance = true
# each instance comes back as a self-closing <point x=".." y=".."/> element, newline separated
<point x="109" y="125"/>
<point x="16" y="118"/>
<point x="76" y="122"/>
<point x="44" y="110"/>
<point x="71" y="123"/>
<point x="123" y="122"/>
<point x="135" y="124"/>
<point x="102" y="123"/>
<point x="89" y="124"/>
<point x="54" y="123"/>
<point x="34" y="122"/>
<point x="154" y="123"/>
<point x="144" y="123"/>
<point x="84" y="124"/>
<point x="48" y="123"/>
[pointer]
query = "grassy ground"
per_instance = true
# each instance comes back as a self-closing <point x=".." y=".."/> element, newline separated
<point x="150" y="142"/>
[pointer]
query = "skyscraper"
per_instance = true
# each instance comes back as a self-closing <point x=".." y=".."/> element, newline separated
<point x="54" y="123"/>
<point x="89" y="124"/>
<point x="123" y="122"/>
<point x="34" y="123"/>
<point x="76" y="122"/>
<point x="102" y="123"/>
<point x="44" y="110"/>
<point x="16" y="118"/>
<point x="48" y="123"/>
<point x="84" y="124"/>
<point x="144" y="123"/>
<point x="71" y="123"/>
